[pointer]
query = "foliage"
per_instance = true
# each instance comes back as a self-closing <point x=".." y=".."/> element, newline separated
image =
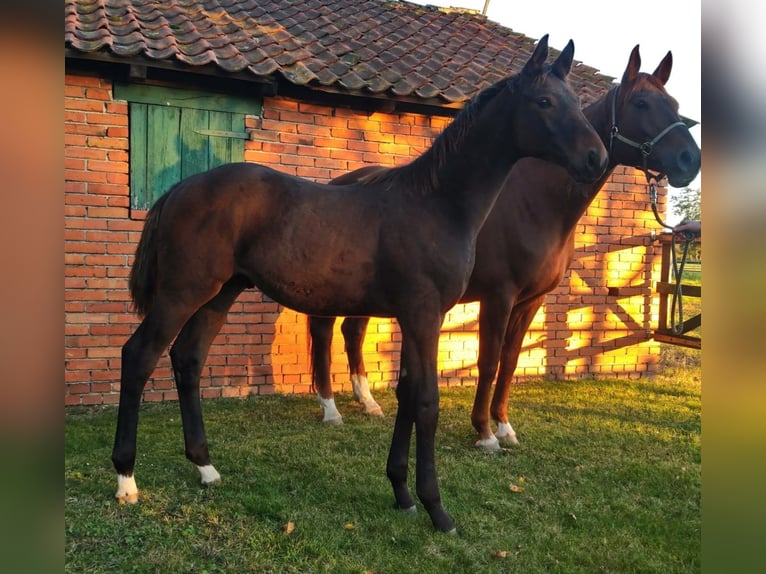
<point x="607" y="478"/>
<point x="687" y="204"/>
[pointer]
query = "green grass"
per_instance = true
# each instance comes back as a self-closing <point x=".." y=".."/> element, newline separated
<point x="610" y="470"/>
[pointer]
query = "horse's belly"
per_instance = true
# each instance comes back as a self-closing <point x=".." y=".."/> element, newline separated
<point x="325" y="287"/>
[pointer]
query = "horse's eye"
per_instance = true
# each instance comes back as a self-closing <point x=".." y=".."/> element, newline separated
<point x="544" y="102"/>
<point x="641" y="104"/>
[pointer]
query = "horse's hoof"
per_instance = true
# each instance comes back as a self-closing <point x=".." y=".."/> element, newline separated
<point x="508" y="439"/>
<point x="411" y="510"/>
<point x="490" y="444"/>
<point x="209" y="475"/>
<point x="127" y="491"/>
<point x="443" y="522"/>
<point x="452" y="532"/>
<point x="506" y="434"/>
<point x="131" y="498"/>
<point x="333" y="421"/>
<point x="373" y="410"/>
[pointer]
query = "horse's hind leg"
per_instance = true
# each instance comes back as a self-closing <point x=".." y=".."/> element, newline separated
<point x="518" y="324"/>
<point x="354" y="329"/>
<point x="188" y="356"/>
<point x="139" y="357"/>
<point x="320" y="331"/>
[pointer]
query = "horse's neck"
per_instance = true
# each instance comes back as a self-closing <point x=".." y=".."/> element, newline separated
<point x="473" y="171"/>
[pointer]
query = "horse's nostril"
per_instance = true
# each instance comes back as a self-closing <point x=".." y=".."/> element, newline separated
<point x="595" y="161"/>
<point x="686" y="159"/>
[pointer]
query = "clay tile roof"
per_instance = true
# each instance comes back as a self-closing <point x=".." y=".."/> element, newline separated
<point x="388" y="47"/>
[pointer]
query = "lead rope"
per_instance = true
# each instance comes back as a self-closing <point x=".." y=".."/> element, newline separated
<point x="676" y="302"/>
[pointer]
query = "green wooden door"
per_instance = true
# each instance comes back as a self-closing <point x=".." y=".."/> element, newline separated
<point x="177" y="133"/>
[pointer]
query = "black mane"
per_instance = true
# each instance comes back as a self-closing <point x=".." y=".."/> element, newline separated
<point x="421" y="175"/>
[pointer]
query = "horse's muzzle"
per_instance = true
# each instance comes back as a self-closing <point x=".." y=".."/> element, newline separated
<point x="593" y="167"/>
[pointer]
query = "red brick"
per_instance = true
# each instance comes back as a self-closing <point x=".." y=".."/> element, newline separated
<point x="84" y="247"/>
<point x="84" y="129"/>
<point x="304" y="140"/>
<point x="86" y="153"/>
<point x="118" y="178"/>
<point x="98" y="94"/>
<point x="74" y="140"/>
<point x="87" y="176"/>
<point x="109" y="143"/>
<point x="117" y="132"/>
<point x="80" y="80"/>
<point x="105" y="119"/>
<point x="74" y="91"/>
<point x="113" y="212"/>
<point x="77" y="199"/>
<point x="74" y="116"/>
<point x="83" y="105"/>
<point x="305" y="129"/>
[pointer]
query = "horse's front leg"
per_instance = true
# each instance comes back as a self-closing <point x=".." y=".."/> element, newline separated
<point x="420" y="340"/>
<point x="399" y="453"/>
<point x="320" y="332"/>
<point x="354" y="330"/>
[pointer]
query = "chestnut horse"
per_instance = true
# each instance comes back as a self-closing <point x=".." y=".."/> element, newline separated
<point x="400" y="245"/>
<point x="527" y="242"/>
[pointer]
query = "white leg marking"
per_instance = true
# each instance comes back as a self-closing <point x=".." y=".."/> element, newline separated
<point x="506" y="433"/>
<point x="490" y="444"/>
<point x="127" y="491"/>
<point x="331" y="414"/>
<point x="363" y="395"/>
<point x="209" y="474"/>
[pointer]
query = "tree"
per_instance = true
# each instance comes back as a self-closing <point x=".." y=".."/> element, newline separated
<point x="687" y="205"/>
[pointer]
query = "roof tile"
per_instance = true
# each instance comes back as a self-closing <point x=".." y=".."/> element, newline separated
<point x="360" y="46"/>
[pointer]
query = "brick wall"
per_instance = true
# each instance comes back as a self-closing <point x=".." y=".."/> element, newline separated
<point x="595" y="324"/>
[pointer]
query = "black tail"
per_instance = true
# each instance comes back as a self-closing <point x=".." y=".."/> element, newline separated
<point x="143" y="273"/>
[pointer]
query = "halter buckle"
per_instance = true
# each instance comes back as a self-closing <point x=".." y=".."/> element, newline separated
<point x="646" y="149"/>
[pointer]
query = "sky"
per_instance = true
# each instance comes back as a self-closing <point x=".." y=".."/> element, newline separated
<point x="605" y="42"/>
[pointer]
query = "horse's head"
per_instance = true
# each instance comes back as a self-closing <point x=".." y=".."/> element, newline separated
<point x="647" y="131"/>
<point x="548" y="120"/>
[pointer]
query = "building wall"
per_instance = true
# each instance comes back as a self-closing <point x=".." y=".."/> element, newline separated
<point x="597" y="323"/>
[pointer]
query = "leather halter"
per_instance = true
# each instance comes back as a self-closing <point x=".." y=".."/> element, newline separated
<point x="646" y="147"/>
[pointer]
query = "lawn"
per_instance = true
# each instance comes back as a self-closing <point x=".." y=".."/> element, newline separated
<point x="607" y="479"/>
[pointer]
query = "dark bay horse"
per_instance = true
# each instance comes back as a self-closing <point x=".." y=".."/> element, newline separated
<point x="527" y="242"/>
<point x="400" y="245"/>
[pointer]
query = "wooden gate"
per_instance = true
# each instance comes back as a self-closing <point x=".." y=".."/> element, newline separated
<point x="674" y="294"/>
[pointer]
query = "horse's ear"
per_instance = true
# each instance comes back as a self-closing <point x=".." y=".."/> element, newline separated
<point x="662" y="73"/>
<point x="634" y="65"/>
<point x="534" y="66"/>
<point x="563" y="63"/>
